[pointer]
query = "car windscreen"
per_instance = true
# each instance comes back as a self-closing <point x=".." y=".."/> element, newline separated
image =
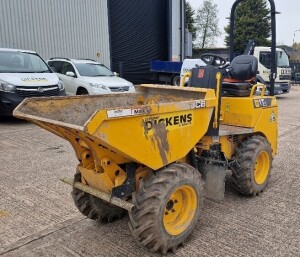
<point x="22" y="62"/>
<point x="93" y="70"/>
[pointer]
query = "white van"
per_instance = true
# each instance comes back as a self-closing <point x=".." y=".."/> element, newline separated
<point x="25" y="74"/>
<point x="188" y="65"/>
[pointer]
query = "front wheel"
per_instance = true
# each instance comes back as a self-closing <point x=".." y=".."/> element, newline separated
<point x="93" y="207"/>
<point x="253" y="163"/>
<point x="168" y="206"/>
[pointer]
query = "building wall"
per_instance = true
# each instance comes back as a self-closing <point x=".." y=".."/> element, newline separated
<point x="61" y="28"/>
<point x="177" y="31"/>
<point x="139" y="34"/>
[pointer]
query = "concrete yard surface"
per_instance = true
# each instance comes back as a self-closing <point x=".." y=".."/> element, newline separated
<point x="38" y="216"/>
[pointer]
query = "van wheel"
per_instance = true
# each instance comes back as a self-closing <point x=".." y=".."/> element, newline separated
<point x="82" y="91"/>
<point x="176" y="80"/>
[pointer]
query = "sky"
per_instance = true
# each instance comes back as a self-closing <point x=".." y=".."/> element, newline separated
<point x="287" y="22"/>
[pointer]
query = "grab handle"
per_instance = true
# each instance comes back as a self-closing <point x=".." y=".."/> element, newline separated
<point x="185" y="75"/>
<point x="255" y="87"/>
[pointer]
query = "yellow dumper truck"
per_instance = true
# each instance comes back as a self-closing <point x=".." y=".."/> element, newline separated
<point x="151" y="151"/>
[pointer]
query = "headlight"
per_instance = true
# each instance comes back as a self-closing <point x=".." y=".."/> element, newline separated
<point x="61" y="85"/>
<point x="98" y="86"/>
<point x="277" y="85"/>
<point x="6" y="87"/>
<point x="131" y="88"/>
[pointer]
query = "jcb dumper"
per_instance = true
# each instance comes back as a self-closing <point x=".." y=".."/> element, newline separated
<point x="150" y="152"/>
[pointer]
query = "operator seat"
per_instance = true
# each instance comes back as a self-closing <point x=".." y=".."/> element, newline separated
<point x="205" y="77"/>
<point x="242" y="71"/>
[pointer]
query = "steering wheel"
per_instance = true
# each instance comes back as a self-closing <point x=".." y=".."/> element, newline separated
<point x="213" y="59"/>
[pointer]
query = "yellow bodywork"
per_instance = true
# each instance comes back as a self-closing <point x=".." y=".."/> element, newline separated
<point x="249" y="112"/>
<point x="241" y="117"/>
<point x="153" y="127"/>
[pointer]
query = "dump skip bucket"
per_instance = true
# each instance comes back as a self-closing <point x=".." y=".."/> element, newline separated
<point x="155" y="126"/>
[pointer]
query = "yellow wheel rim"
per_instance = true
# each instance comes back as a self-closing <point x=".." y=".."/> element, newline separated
<point x="262" y="167"/>
<point x="180" y="210"/>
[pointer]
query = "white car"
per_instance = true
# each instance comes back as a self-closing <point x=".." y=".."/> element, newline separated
<point x="24" y="73"/>
<point x="82" y="77"/>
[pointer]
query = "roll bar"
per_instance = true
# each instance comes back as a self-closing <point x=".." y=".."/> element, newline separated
<point x="273" y="47"/>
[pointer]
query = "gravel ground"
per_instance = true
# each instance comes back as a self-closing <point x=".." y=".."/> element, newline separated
<point x="38" y="217"/>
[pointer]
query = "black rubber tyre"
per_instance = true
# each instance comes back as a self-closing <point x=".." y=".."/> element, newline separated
<point x="156" y="199"/>
<point x="253" y="164"/>
<point x="93" y="207"/>
<point x="82" y="91"/>
<point x="176" y="80"/>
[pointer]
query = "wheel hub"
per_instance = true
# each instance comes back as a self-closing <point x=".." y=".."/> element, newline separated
<point x="262" y="167"/>
<point x="170" y="205"/>
<point x="180" y="210"/>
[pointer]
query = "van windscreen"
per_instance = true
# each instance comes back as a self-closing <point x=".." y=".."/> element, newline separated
<point x="22" y="62"/>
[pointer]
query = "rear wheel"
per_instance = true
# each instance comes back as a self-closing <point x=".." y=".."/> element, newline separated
<point x="253" y="165"/>
<point x="93" y="207"/>
<point x="82" y="91"/>
<point x="168" y="206"/>
<point x="176" y="80"/>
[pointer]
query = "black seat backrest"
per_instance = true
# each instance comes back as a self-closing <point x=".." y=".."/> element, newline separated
<point x="204" y="77"/>
<point x="243" y="67"/>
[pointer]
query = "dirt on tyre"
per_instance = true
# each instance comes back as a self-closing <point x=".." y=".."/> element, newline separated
<point x="93" y="207"/>
<point x="168" y="206"/>
<point x="253" y="163"/>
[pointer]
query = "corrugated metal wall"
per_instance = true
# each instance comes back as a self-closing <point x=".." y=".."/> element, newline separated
<point x="139" y="34"/>
<point x="68" y="28"/>
<point x="176" y="33"/>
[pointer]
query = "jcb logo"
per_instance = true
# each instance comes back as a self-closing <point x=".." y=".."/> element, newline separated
<point x="200" y="104"/>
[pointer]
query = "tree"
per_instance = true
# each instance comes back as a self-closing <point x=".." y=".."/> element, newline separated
<point x="207" y="22"/>
<point x="190" y="19"/>
<point x="252" y="21"/>
<point x="296" y="46"/>
<point x="295" y="53"/>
